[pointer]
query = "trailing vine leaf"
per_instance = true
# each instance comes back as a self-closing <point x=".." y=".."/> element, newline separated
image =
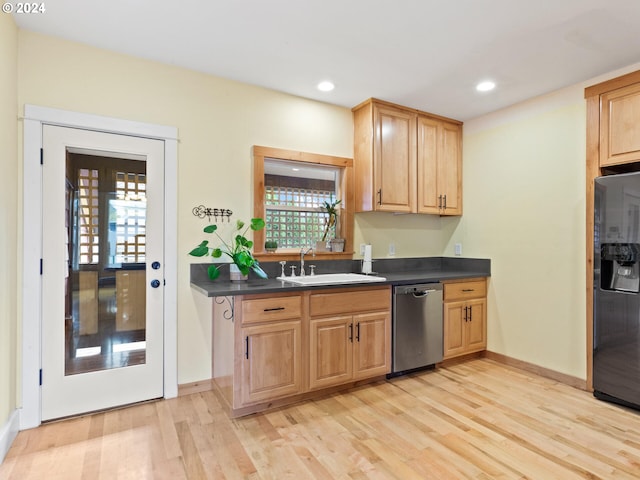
<point x="258" y="270"/>
<point x="201" y="250"/>
<point x="257" y="224"/>
<point x="213" y="272"/>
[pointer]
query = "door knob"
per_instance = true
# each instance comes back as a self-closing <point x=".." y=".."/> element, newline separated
<point x="155" y="283"/>
<point x="155" y="265"/>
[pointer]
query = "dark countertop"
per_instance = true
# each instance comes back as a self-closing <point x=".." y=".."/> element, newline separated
<point x="400" y="271"/>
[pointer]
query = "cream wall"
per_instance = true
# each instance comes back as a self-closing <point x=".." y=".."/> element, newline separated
<point x="412" y="235"/>
<point x="8" y="215"/>
<point x="524" y="208"/>
<point x="218" y="121"/>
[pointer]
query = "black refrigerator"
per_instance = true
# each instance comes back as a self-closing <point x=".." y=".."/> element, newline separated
<point x="616" y="336"/>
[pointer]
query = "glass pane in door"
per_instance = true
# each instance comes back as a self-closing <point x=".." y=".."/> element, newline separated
<point x="105" y="324"/>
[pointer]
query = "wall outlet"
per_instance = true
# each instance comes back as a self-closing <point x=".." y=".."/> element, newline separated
<point x="362" y="245"/>
<point x="457" y="249"/>
<point x="392" y="249"/>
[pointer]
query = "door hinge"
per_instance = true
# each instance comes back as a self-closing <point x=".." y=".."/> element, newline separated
<point x="41" y="266"/>
<point x="40" y="377"/>
<point x="42" y="156"/>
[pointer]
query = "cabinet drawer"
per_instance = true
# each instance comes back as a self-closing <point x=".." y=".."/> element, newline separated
<point x="333" y="303"/>
<point x="268" y="309"/>
<point x="464" y="290"/>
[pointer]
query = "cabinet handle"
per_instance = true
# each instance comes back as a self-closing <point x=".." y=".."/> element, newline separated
<point x="358" y="331"/>
<point x="445" y="202"/>
<point x="465" y="313"/>
<point x="351" y="332"/>
<point x="380" y="197"/>
<point x="273" y="309"/>
<point x="439" y="202"/>
<point x="470" y="313"/>
<point x="246" y="347"/>
<point x="468" y="289"/>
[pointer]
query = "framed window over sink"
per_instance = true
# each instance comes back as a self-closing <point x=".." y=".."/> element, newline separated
<point x="290" y="190"/>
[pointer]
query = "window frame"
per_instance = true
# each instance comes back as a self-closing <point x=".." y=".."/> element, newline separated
<point x="346" y="210"/>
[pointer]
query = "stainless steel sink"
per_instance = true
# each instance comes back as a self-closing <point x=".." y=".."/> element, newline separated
<point x="332" y="279"/>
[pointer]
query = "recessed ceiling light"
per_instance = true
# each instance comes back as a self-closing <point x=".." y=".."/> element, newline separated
<point x="485" y="86"/>
<point x="326" y="86"/>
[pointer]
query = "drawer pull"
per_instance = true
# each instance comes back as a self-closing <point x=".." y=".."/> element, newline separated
<point x="275" y="309"/>
<point x="468" y="289"/>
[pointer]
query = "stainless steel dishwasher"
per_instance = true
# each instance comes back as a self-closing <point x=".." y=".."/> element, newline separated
<point x="417" y="327"/>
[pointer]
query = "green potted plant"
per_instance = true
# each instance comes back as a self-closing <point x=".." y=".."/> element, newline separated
<point x="270" y="246"/>
<point x="238" y="250"/>
<point x="332" y="216"/>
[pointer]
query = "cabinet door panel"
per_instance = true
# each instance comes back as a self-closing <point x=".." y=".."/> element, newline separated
<point x="619" y="126"/>
<point x="372" y="344"/>
<point x="330" y="358"/>
<point x="454" y="326"/>
<point x="450" y="169"/>
<point x="394" y="160"/>
<point x="476" y="326"/>
<point x="271" y="364"/>
<point x="428" y="165"/>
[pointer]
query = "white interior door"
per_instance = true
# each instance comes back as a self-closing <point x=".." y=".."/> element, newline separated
<point x="102" y="276"/>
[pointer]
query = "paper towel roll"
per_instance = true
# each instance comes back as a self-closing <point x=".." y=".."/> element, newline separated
<point x="367" y="253"/>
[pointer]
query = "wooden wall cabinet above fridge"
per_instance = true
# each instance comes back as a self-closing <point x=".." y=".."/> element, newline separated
<point x="406" y="161"/>
<point x="619" y="126"/>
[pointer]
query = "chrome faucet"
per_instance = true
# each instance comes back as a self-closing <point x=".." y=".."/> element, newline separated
<point x="303" y="252"/>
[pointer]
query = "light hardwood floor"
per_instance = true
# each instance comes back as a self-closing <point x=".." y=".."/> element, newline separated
<point x="477" y="419"/>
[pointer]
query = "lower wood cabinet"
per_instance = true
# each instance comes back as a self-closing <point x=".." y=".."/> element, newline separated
<point x="347" y="348"/>
<point x="271" y="364"/>
<point x="349" y="335"/>
<point x="465" y="317"/>
<point x="287" y="346"/>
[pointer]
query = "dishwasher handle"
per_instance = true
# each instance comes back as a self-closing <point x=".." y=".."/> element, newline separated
<point x="422" y="293"/>
<point x="420" y="290"/>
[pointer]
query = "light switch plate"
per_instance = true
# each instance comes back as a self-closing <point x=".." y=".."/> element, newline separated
<point x="457" y="249"/>
<point x="392" y="249"/>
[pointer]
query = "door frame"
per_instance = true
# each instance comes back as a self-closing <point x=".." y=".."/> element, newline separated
<point x="34" y="119"/>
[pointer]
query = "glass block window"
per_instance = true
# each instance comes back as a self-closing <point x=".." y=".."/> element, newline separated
<point x="88" y="217"/>
<point x="293" y="209"/>
<point x="127" y="215"/>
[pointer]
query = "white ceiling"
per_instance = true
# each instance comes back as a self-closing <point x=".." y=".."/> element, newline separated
<point x="426" y="54"/>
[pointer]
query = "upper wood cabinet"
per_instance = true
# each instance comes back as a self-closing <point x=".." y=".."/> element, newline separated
<point x="406" y="161"/>
<point x="439" y="166"/>
<point x="620" y="126"/>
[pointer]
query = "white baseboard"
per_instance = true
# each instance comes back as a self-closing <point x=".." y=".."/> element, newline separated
<point x="8" y="433"/>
